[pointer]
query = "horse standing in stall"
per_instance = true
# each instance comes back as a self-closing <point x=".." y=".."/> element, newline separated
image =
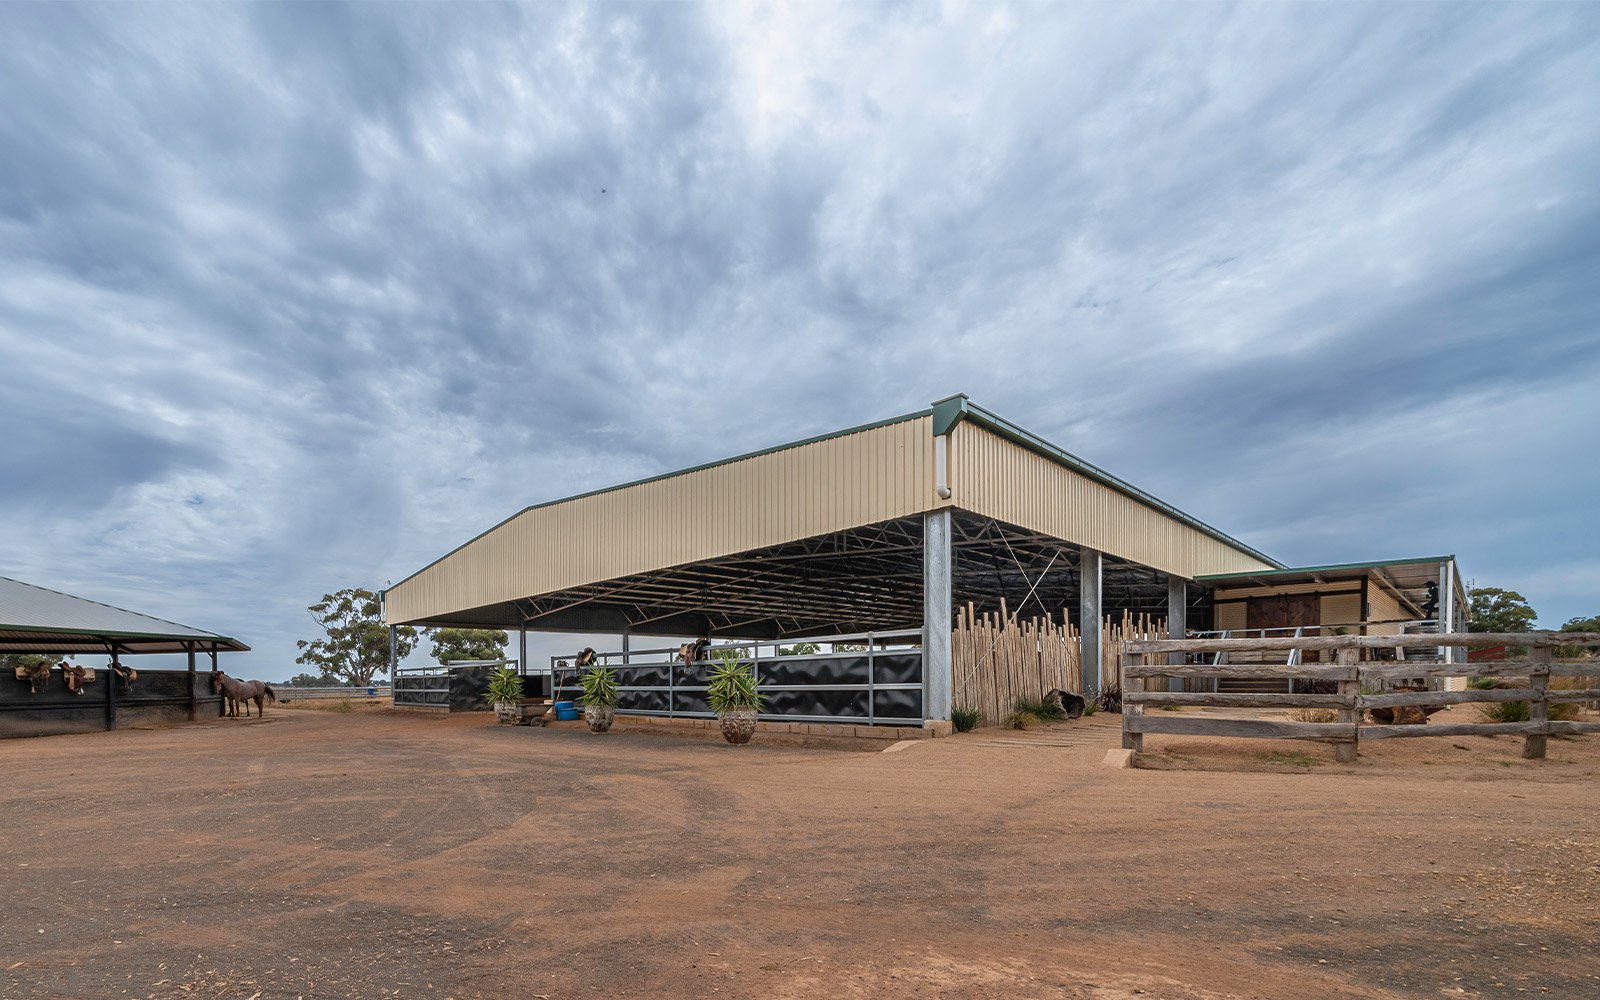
<point x="234" y="691"/>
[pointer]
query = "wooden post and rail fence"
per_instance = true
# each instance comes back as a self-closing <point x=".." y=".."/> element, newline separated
<point x="1360" y="686"/>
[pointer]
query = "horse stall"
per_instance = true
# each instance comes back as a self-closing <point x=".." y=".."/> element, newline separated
<point x="460" y="687"/>
<point x="154" y="698"/>
<point x="44" y="691"/>
<point x="865" y="678"/>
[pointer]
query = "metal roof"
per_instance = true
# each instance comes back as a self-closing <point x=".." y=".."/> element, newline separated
<point x="952" y="410"/>
<point x="1427" y="566"/>
<point x="946" y="414"/>
<point x="39" y="620"/>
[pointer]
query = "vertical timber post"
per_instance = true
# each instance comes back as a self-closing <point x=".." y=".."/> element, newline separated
<point x="1533" y="745"/>
<point x="1177" y="622"/>
<point x="1349" y="687"/>
<point x="627" y="635"/>
<point x="522" y="654"/>
<point x="194" y="704"/>
<point x="394" y="673"/>
<point x="937" y="681"/>
<point x="222" y="703"/>
<point x="1131" y="740"/>
<point x="1089" y="566"/>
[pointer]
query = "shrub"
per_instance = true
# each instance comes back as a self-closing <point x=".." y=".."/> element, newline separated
<point x="599" y="686"/>
<point x="1021" y="720"/>
<point x="1482" y="683"/>
<point x="504" y="686"/>
<point x="965" y="720"/>
<point x="1089" y="707"/>
<point x="1111" y="699"/>
<point x="1504" y="711"/>
<point x="1518" y="711"/>
<point x="1047" y="711"/>
<point x="731" y="685"/>
<point x="1314" y="714"/>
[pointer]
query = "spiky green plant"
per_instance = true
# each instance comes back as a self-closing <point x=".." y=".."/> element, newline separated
<point x="504" y="686"/>
<point x="965" y="720"/>
<point x="731" y="685"/>
<point x="599" y="687"/>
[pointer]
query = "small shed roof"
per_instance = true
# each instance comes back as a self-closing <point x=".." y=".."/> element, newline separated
<point x="39" y="620"/>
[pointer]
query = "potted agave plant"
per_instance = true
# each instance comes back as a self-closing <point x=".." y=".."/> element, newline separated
<point x="733" y="696"/>
<point x="599" y="687"/>
<point x="505" y="692"/>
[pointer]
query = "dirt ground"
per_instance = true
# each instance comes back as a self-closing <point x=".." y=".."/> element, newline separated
<point x="372" y="854"/>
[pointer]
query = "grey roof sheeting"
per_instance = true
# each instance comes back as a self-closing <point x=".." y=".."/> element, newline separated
<point x="39" y="620"/>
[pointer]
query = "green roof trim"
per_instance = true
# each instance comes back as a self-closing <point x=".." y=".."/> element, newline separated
<point x="1327" y="569"/>
<point x="948" y="412"/>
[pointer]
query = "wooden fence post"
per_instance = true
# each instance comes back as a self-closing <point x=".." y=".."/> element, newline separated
<point x="1533" y="745"/>
<point x="1130" y="740"/>
<point x="1345" y="753"/>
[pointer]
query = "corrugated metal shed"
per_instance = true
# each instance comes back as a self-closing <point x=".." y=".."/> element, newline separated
<point x="39" y="620"/>
<point x="853" y="478"/>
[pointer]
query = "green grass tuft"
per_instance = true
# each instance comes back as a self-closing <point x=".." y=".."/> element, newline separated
<point x="965" y="720"/>
<point x="1021" y="720"/>
<point x="1047" y="711"/>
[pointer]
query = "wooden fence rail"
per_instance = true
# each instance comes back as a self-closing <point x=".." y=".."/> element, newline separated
<point x="1352" y="699"/>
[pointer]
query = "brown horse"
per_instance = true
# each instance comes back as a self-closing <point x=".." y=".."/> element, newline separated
<point x="234" y="691"/>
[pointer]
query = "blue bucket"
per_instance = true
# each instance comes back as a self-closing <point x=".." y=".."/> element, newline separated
<point x="566" y="711"/>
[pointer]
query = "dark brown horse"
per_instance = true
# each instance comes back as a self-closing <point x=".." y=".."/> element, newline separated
<point x="234" y="691"/>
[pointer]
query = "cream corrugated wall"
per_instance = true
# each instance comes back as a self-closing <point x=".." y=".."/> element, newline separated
<point x="1231" y="617"/>
<point x="812" y="489"/>
<point x="992" y="476"/>
<point x="1385" y="607"/>
<point x="1342" y="609"/>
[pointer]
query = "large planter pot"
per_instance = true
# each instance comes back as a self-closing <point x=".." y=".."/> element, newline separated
<point x="738" y="725"/>
<point x="505" y="712"/>
<point x="598" y="717"/>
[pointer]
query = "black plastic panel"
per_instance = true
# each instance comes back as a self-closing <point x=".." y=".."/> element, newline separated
<point x="817" y="681"/>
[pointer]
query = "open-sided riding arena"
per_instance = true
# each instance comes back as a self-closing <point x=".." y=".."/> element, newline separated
<point x="1198" y="837"/>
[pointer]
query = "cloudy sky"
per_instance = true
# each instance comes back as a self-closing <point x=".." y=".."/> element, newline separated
<point x="297" y="297"/>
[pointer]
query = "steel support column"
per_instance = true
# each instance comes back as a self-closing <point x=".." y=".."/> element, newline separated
<point x="1089" y="571"/>
<point x="1446" y="610"/>
<point x="937" y="681"/>
<point x="194" y="706"/>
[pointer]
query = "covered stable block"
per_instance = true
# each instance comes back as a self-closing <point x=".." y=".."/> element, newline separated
<point x="884" y="541"/>
<point x="50" y="624"/>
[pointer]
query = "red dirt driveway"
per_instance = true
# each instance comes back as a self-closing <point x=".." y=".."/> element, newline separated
<point x="318" y="854"/>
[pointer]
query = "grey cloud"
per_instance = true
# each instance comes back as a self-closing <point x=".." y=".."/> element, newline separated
<point x="350" y="274"/>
